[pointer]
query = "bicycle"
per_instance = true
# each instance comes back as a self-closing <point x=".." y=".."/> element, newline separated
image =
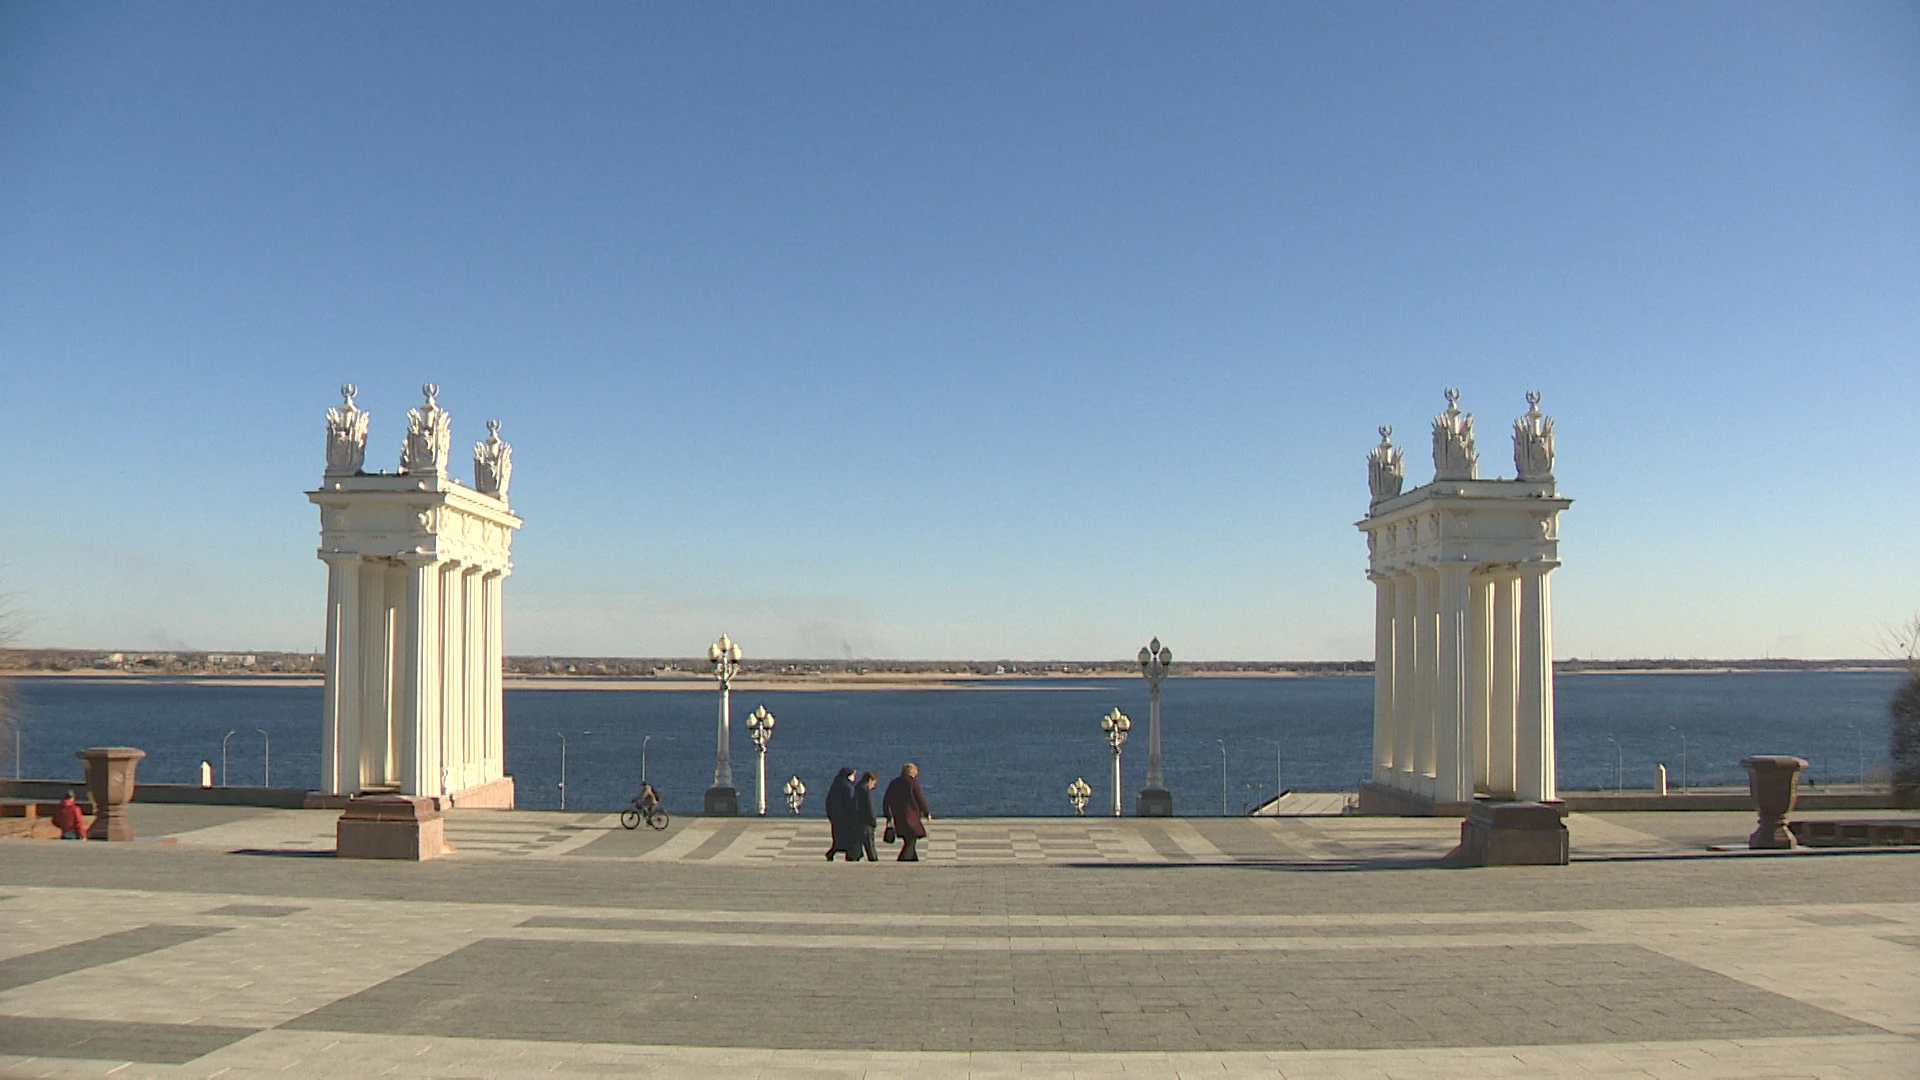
<point x="634" y="814"/>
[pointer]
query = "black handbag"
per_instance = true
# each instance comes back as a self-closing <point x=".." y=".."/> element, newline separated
<point x="888" y="835"/>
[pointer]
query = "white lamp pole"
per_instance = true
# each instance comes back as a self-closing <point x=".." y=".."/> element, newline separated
<point x="760" y="729"/>
<point x="1115" y="725"/>
<point x="724" y="655"/>
<point x="794" y="791"/>
<point x="1155" y="800"/>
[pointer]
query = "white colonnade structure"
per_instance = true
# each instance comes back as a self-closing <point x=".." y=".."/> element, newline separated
<point x="415" y="566"/>
<point x="1463" y="622"/>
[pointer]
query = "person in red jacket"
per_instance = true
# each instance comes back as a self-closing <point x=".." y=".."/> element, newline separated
<point x="66" y="818"/>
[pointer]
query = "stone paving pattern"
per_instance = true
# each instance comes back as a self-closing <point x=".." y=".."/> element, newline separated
<point x="560" y="944"/>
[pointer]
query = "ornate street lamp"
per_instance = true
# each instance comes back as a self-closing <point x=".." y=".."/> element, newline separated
<point x="1078" y="793"/>
<point x="1115" y="724"/>
<point x="794" y="791"/>
<point x="721" y="799"/>
<point x="1155" y="800"/>
<point x="760" y="729"/>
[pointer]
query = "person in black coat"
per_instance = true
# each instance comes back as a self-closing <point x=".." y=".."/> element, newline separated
<point x="841" y="815"/>
<point x="905" y="805"/>
<point x="863" y="814"/>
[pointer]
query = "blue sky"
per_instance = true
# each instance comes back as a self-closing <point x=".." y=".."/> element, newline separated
<point x="982" y="330"/>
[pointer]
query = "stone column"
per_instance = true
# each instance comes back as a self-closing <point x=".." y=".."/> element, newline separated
<point x="1406" y="679"/>
<point x="1480" y="675"/>
<point x="1382" y="678"/>
<point x="491" y="752"/>
<point x="418" y="723"/>
<point x="340" y="702"/>
<point x="1452" y="727"/>
<point x="453" y="675"/>
<point x="1505" y="688"/>
<point x="376" y="763"/>
<point x="1426" y="670"/>
<point x="1533" y="724"/>
<point x="473" y="663"/>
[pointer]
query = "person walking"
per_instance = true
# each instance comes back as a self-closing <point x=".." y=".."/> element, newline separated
<point x="863" y="812"/>
<point x="841" y="816"/>
<point x="906" y="808"/>
<point x="67" y="818"/>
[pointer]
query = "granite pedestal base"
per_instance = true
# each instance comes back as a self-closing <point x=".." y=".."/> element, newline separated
<point x="721" y="802"/>
<point x="1379" y="799"/>
<point x="1154" y="802"/>
<point x="1513" y="834"/>
<point x="391" y="827"/>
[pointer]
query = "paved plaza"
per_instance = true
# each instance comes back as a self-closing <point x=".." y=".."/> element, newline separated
<point x="231" y="943"/>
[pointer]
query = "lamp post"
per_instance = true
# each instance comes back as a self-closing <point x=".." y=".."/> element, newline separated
<point x="1155" y="800"/>
<point x="267" y="780"/>
<point x="644" y="740"/>
<point x="563" y="769"/>
<point x="1077" y="794"/>
<point x="794" y="791"/>
<point x="223" y="757"/>
<point x="1223" y="776"/>
<point x="760" y="729"/>
<point x="1115" y="725"/>
<point x="721" y="799"/>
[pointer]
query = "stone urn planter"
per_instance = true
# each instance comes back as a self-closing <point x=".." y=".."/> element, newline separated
<point x="110" y="782"/>
<point x="1774" y="782"/>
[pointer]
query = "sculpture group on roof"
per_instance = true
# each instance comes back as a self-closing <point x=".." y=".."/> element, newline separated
<point x="424" y="450"/>
<point x="1454" y="454"/>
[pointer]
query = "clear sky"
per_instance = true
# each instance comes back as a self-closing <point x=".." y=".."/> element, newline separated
<point x="977" y="330"/>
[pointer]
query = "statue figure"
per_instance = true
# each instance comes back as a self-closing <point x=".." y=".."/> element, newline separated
<point x="1533" y="442"/>
<point x="346" y="435"/>
<point x="1386" y="470"/>
<point x="1454" y="457"/>
<point x="429" y="435"/>
<point x="492" y="464"/>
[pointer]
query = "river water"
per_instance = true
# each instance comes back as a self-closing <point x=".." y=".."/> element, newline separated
<point x="1007" y="748"/>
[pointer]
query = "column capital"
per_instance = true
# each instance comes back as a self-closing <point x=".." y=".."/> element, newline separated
<point x="339" y="558"/>
<point x="417" y="560"/>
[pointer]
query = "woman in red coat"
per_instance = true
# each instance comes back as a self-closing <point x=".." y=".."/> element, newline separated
<point x="905" y="806"/>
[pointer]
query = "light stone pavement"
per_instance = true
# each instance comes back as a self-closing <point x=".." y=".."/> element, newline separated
<point x="561" y="944"/>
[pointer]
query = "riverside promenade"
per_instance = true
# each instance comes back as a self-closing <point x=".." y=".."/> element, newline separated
<point x="232" y="944"/>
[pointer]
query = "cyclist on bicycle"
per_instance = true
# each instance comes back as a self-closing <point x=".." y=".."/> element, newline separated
<point x="648" y="799"/>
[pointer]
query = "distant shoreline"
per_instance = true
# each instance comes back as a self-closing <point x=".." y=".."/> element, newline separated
<point x="870" y="681"/>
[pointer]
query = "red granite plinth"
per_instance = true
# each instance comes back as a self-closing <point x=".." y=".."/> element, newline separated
<point x="1514" y="834"/>
<point x="390" y="827"/>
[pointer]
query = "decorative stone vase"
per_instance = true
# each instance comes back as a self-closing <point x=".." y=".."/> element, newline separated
<point x="110" y="782"/>
<point x="1774" y="782"/>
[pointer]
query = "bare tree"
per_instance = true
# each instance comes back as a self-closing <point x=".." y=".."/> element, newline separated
<point x="1903" y="731"/>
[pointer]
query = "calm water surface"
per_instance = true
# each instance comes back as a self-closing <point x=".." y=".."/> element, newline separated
<point x="1008" y="749"/>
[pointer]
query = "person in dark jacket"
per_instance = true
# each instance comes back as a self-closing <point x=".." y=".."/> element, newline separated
<point x="863" y="813"/>
<point x="906" y="808"/>
<point x="67" y="818"/>
<point x="841" y="816"/>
